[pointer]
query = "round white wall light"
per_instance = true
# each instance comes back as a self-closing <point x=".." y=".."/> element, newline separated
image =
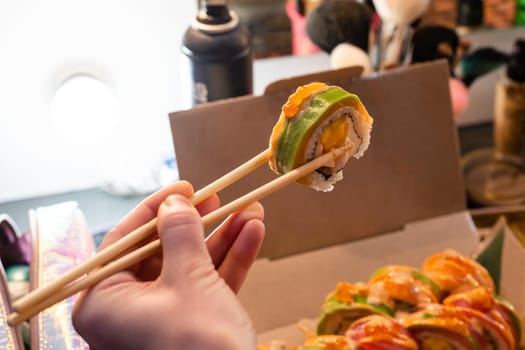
<point x="84" y="110"/>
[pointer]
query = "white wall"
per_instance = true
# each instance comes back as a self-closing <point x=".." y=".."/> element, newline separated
<point x="130" y="45"/>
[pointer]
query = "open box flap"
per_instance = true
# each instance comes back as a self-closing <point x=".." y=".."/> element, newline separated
<point x="410" y="172"/>
<point x="289" y="85"/>
<point x="512" y="283"/>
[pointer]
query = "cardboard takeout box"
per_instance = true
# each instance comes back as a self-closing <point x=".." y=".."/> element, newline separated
<point x="401" y="202"/>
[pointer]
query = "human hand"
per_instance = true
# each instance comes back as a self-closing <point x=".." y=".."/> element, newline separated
<point x="186" y="297"/>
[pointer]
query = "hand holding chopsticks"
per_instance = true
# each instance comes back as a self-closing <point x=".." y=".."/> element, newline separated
<point x="99" y="267"/>
<point x="126" y="242"/>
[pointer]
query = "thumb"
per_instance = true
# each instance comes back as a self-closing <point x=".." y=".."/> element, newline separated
<point x="182" y="237"/>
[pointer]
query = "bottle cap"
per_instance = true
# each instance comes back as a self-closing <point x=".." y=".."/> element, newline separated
<point x="516" y="66"/>
<point x="215" y="18"/>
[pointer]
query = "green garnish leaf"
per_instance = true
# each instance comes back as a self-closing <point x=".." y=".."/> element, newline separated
<point x="490" y="257"/>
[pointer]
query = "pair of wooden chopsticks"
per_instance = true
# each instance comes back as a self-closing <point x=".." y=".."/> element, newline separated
<point x="103" y="264"/>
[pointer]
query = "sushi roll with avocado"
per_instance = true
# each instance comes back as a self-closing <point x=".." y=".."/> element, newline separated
<point x="454" y="272"/>
<point x="440" y="327"/>
<point x="316" y="119"/>
<point x="347" y="303"/>
<point x="502" y="323"/>
<point x="406" y="286"/>
<point x="380" y="333"/>
<point x="448" y="327"/>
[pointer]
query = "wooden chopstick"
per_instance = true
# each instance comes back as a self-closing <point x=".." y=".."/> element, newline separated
<point x="230" y="178"/>
<point x="153" y="247"/>
<point x="128" y="241"/>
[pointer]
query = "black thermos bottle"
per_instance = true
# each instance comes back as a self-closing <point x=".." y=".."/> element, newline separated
<point x="218" y="55"/>
<point x="470" y="13"/>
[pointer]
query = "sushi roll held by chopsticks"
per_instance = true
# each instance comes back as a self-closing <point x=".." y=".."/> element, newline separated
<point x="320" y="127"/>
<point x="316" y="119"/>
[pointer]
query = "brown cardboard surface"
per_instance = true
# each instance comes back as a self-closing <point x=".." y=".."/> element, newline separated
<point x="411" y="171"/>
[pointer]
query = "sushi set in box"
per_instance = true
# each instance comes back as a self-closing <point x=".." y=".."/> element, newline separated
<point x="338" y="266"/>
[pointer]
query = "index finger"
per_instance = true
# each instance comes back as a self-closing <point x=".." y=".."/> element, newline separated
<point x="145" y="211"/>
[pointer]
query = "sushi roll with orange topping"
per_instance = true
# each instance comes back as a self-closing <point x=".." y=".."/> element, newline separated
<point x="406" y="286"/>
<point x="316" y="119"/>
<point x="454" y="272"/>
<point x="380" y="333"/>
<point x="347" y="303"/>
<point x="448" y="327"/>
<point x="439" y="327"/>
<point x="495" y="308"/>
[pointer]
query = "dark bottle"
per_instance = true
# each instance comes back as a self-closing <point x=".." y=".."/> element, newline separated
<point x="469" y="14"/>
<point x="218" y="55"/>
<point x="509" y="104"/>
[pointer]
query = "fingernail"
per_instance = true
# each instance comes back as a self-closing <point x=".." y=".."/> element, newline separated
<point x="175" y="199"/>
<point x="255" y="208"/>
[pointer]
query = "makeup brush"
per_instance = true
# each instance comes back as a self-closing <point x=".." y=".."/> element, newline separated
<point x="395" y="32"/>
<point x="434" y="42"/>
<point x="339" y="21"/>
<point x="348" y="55"/>
<point x="400" y="12"/>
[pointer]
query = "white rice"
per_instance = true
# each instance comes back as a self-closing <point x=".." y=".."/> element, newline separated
<point x="358" y="135"/>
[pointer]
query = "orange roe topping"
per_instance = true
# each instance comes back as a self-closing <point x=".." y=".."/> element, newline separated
<point x="345" y="291"/>
<point x="399" y="283"/>
<point x="479" y="298"/>
<point x="295" y="101"/>
<point x="451" y="271"/>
